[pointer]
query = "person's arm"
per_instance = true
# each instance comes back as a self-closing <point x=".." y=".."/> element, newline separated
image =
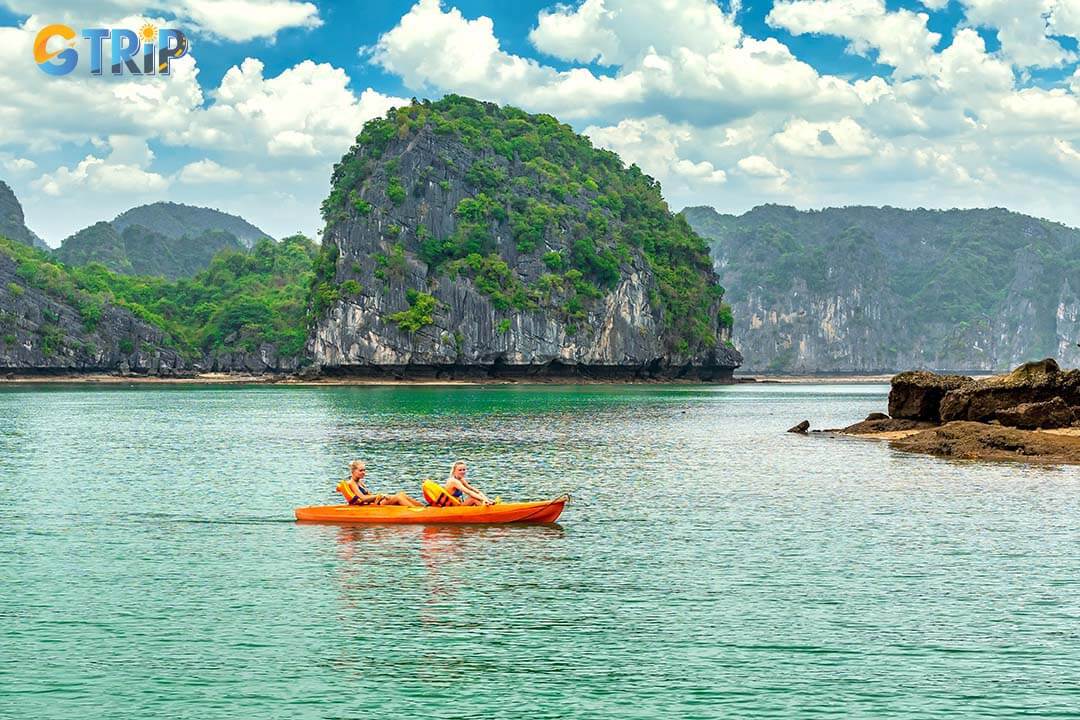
<point x="474" y="493"/>
<point x="363" y="495"/>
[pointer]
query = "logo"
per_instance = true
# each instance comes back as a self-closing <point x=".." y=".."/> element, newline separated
<point x="150" y="51"/>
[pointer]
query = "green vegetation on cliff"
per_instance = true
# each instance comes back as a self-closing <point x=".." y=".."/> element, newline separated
<point x="243" y="299"/>
<point x="536" y="180"/>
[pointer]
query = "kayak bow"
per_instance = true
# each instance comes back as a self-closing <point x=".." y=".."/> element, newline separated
<point x="545" y="511"/>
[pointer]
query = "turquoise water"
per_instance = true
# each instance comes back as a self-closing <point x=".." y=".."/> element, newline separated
<point x="709" y="565"/>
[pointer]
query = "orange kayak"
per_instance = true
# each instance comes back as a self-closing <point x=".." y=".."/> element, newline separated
<point x="544" y="511"/>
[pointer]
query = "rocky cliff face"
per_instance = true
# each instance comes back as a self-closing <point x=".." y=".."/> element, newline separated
<point x="12" y="222"/>
<point x="42" y="334"/>
<point x="882" y="289"/>
<point x="450" y="254"/>
<point x="53" y="320"/>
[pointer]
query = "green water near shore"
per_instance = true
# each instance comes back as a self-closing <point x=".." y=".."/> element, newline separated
<point x="709" y="565"/>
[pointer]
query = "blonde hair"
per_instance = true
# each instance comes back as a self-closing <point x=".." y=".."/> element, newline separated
<point x="455" y="466"/>
<point x="357" y="464"/>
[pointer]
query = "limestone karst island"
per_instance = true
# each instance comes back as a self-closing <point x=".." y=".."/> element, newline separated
<point x="584" y="359"/>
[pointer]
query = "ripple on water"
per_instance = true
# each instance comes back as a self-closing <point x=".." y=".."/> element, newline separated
<point x="709" y="564"/>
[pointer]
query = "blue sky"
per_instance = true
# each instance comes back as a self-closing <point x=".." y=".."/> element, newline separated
<point x="939" y="103"/>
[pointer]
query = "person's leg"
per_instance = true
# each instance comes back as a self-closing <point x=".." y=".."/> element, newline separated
<point x="400" y="498"/>
<point x="404" y="499"/>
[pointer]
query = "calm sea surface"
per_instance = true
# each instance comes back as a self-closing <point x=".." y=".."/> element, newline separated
<point x="709" y="565"/>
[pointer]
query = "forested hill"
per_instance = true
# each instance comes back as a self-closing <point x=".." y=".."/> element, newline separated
<point x="882" y="289"/>
<point x="165" y="239"/>
<point x="176" y="220"/>
<point x="136" y="250"/>
<point x="465" y="233"/>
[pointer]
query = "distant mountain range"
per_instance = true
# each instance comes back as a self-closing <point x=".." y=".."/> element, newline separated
<point x="866" y="289"/>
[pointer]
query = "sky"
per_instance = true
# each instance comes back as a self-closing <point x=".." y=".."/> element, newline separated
<point x="811" y="103"/>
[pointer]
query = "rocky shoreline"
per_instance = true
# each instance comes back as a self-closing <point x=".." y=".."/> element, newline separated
<point x="334" y="379"/>
<point x="1030" y="415"/>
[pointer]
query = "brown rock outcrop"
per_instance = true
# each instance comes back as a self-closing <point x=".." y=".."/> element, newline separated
<point x="918" y="394"/>
<point x="1032" y="382"/>
<point x="1032" y="416"/>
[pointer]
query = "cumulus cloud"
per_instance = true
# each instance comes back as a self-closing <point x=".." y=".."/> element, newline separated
<point x="620" y="33"/>
<point x="281" y="133"/>
<point x="244" y="20"/>
<point x="305" y="113"/>
<point x="689" y="59"/>
<point x="761" y="167"/>
<point x="1022" y="29"/>
<point x="900" y="38"/>
<point x="39" y="112"/>
<point x="18" y="164"/>
<point x="235" y="20"/>
<point x="206" y="171"/>
<point x="430" y="49"/>
<point x="123" y="171"/>
<point x="842" y="139"/>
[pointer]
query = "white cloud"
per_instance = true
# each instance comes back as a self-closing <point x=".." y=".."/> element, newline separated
<point x="244" y="20"/>
<point x="292" y="142"/>
<point x="685" y="59"/>
<point x="307" y="111"/>
<point x="207" y="171"/>
<point x="1021" y="28"/>
<point x="576" y="34"/>
<point x="283" y="132"/>
<point x="699" y="171"/>
<point x="901" y="38"/>
<point x="18" y="164"/>
<point x="430" y="49"/>
<point x="965" y="70"/>
<point x="40" y="112"/>
<point x="235" y="20"/>
<point x="842" y="139"/>
<point x="761" y="167"/>
<point x="123" y="171"/>
<point x="619" y="33"/>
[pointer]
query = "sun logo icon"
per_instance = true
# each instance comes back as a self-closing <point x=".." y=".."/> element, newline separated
<point x="148" y="33"/>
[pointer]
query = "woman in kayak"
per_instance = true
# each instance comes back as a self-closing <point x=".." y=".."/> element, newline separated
<point x="362" y="496"/>
<point x="460" y="488"/>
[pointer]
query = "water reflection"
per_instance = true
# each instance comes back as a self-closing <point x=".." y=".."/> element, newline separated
<point x="443" y="557"/>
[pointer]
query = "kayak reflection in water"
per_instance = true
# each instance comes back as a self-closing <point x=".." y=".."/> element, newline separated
<point x="460" y="488"/>
<point x="356" y="491"/>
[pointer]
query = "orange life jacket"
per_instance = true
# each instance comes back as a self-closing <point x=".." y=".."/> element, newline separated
<point x="346" y="490"/>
